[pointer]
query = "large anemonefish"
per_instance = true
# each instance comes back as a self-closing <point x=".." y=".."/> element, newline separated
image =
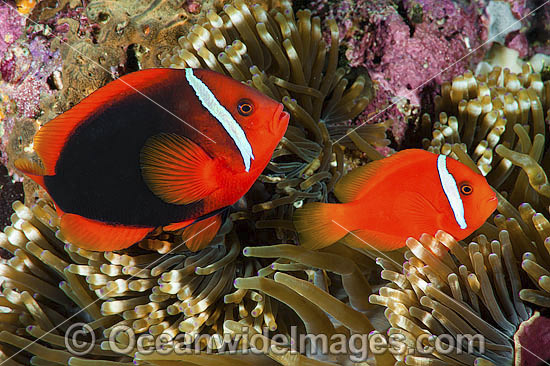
<point x="405" y="195"/>
<point x="155" y="148"/>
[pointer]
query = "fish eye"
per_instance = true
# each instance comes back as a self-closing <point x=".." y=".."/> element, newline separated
<point x="466" y="189"/>
<point x="245" y="107"/>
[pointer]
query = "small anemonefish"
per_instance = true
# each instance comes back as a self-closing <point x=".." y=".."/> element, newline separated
<point x="118" y="165"/>
<point x="405" y="195"/>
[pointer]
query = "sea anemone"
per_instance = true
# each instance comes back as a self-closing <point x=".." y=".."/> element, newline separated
<point x="42" y="297"/>
<point x="445" y="289"/>
<point x="284" y="57"/>
<point x="498" y="119"/>
<point x="495" y="122"/>
<point x="51" y="287"/>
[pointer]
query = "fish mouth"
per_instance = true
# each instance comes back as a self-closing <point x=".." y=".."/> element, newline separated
<point x="280" y="117"/>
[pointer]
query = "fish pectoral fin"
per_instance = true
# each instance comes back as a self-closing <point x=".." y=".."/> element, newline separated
<point x="177" y="170"/>
<point x="372" y="240"/>
<point x="31" y="170"/>
<point x="99" y="236"/>
<point x="419" y="212"/>
<point x="200" y="234"/>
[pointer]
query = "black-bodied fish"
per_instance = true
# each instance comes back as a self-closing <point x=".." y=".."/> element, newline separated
<point x="118" y="164"/>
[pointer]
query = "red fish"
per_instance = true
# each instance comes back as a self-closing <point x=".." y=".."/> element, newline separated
<point x="156" y="148"/>
<point x="405" y="195"/>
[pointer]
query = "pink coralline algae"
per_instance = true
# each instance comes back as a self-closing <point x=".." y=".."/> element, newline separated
<point x="407" y="49"/>
<point x="26" y="63"/>
<point x="11" y="25"/>
<point x="25" y="68"/>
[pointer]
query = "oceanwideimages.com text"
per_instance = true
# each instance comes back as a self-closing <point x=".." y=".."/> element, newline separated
<point x="80" y="339"/>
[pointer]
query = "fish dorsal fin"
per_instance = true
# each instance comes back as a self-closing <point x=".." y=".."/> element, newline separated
<point x="352" y="186"/>
<point x="98" y="236"/>
<point x="177" y="170"/>
<point x="51" y="138"/>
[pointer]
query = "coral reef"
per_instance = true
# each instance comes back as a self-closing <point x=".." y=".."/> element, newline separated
<point x="25" y="66"/>
<point x="149" y="28"/>
<point x="252" y="275"/>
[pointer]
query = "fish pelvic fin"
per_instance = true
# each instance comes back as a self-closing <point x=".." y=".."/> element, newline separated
<point x="178" y="225"/>
<point x="99" y="236"/>
<point x="31" y="170"/>
<point x="320" y="224"/>
<point x="198" y="235"/>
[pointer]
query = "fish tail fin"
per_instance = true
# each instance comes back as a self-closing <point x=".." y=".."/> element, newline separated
<point x="320" y="224"/>
<point x="31" y="170"/>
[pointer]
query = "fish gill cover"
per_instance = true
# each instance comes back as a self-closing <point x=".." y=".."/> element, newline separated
<point x="317" y="62"/>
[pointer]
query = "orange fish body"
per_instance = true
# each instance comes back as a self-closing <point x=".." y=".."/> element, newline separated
<point x="155" y="148"/>
<point x="405" y="195"/>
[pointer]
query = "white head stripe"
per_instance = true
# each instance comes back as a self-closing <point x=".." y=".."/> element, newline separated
<point x="450" y="188"/>
<point x="216" y="109"/>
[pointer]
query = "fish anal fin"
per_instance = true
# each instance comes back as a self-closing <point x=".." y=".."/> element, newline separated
<point x="200" y="234"/>
<point x="371" y="240"/>
<point x="52" y="136"/>
<point x="318" y="225"/>
<point x="31" y="170"/>
<point x="177" y="170"/>
<point x="98" y="236"/>
<point x="352" y="186"/>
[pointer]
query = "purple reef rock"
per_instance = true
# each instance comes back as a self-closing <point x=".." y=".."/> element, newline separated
<point x="26" y="63"/>
<point x="408" y="48"/>
<point x="11" y="25"/>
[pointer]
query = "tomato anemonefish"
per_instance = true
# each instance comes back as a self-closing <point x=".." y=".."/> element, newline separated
<point x="405" y="195"/>
<point x="118" y="165"/>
